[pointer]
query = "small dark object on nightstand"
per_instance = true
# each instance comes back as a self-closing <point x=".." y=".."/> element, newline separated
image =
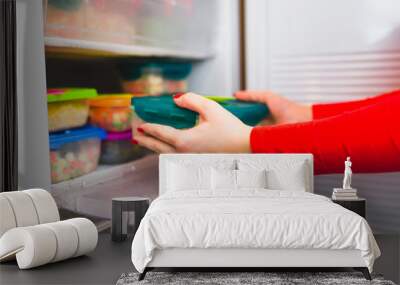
<point x="127" y="212"/>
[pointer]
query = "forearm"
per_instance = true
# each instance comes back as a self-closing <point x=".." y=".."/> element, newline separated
<point x="370" y="135"/>
<point x="320" y="111"/>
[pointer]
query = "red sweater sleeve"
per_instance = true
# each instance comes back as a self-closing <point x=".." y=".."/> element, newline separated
<point x="370" y="135"/>
<point x="320" y="111"/>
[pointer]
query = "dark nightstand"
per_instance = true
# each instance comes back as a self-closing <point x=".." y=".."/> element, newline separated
<point x="127" y="212"/>
<point x="358" y="206"/>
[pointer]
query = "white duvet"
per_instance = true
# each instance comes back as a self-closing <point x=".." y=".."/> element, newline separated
<point x="250" y="219"/>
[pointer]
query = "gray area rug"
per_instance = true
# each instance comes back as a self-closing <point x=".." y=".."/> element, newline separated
<point x="232" y="278"/>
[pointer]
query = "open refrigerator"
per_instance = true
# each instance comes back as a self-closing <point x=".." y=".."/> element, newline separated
<point x="308" y="50"/>
<point x="72" y="52"/>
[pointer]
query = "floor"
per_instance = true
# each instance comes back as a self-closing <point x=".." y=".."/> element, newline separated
<point x="110" y="260"/>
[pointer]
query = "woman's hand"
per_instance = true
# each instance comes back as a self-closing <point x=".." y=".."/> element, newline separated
<point x="283" y="111"/>
<point x="217" y="130"/>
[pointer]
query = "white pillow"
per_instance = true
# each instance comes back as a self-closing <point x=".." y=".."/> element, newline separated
<point x="251" y="178"/>
<point x="291" y="178"/>
<point x="186" y="177"/>
<point x="281" y="174"/>
<point x="223" y="179"/>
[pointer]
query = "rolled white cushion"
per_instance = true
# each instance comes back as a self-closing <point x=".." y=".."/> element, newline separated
<point x="67" y="240"/>
<point x="7" y="218"/>
<point x="87" y="234"/>
<point x="40" y="244"/>
<point x="33" y="246"/>
<point x="45" y="205"/>
<point x="23" y="208"/>
<point x="26" y="208"/>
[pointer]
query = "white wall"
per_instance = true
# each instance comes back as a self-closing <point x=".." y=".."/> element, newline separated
<point x="322" y="51"/>
<point x="220" y="74"/>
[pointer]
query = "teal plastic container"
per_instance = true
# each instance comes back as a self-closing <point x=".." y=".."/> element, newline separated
<point x="154" y="77"/>
<point x="67" y="5"/>
<point x="169" y="70"/>
<point x="163" y="110"/>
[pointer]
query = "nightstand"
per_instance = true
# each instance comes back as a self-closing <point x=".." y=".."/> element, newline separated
<point x="358" y="206"/>
<point x="127" y="212"/>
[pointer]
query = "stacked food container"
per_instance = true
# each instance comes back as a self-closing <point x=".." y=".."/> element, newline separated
<point x="74" y="146"/>
<point x="168" y="25"/>
<point x="74" y="152"/>
<point x="113" y="114"/>
<point x="154" y="78"/>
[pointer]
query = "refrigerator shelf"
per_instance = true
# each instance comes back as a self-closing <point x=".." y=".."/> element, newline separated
<point x="56" y="45"/>
<point x="179" y="28"/>
<point x="91" y="194"/>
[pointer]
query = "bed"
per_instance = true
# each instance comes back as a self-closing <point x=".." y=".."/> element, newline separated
<point x="247" y="210"/>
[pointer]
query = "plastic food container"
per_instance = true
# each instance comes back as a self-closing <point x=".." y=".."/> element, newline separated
<point x="146" y="80"/>
<point x="162" y="110"/>
<point x="156" y="78"/>
<point x="91" y="20"/>
<point x="74" y="152"/>
<point x="175" y="75"/>
<point x="68" y="108"/>
<point x="111" y="112"/>
<point x="169" y="27"/>
<point x="117" y="148"/>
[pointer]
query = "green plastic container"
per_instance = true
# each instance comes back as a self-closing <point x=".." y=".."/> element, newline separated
<point x="67" y="107"/>
<point x="163" y="110"/>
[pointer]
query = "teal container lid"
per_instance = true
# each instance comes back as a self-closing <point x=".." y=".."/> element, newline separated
<point x="58" y="139"/>
<point x="169" y="70"/>
<point x="67" y="5"/>
<point x="163" y="110"/>
<point x="249" y="113"/>
<point x="176" y="71"/>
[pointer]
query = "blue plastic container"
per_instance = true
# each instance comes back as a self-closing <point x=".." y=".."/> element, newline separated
<point x="74" y="152"/>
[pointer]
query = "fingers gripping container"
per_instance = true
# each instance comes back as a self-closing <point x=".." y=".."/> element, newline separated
<point x="163" y="110"/>
<point x="68" y="108"/>
<point x="74" y="152"/>
<point x="111" y="112"/>
<point x="117" y="148"/>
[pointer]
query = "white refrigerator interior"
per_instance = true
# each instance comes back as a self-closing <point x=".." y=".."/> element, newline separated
<point x="324" y="51"/>
<point x="213" y="50"/>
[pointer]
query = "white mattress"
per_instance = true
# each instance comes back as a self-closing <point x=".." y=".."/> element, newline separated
<point x="255" y="218"/>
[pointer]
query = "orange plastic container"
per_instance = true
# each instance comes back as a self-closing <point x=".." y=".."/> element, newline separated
<point x="111" y="112"/>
